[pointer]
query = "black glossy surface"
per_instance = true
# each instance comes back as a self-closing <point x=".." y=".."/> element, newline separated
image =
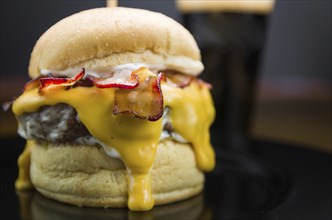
<point x="275" y="182"/>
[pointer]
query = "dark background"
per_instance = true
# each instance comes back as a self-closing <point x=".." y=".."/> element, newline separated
<point x="271" y="77"/>
<point x="271" y="73"/>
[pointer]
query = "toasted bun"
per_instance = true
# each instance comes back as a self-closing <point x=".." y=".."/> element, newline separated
<point x="106" y="37"/>
<point x="86" y="176"/>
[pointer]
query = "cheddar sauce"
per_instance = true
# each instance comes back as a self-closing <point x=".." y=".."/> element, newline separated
<point x="136" y="140"/>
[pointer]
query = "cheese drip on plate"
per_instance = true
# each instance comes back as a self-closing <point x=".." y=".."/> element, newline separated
<point x="191" y="113"/>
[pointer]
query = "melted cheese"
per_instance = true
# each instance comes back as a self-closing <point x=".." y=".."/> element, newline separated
<point x="23" y="181"/>
<point x="136" y="140"/>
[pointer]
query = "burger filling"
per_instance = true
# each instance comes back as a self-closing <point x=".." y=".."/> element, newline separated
<point x="127" y="114"/>
<point x="60" y="124"/>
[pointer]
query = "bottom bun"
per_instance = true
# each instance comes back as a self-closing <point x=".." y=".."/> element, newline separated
<point x="86" y="176"/>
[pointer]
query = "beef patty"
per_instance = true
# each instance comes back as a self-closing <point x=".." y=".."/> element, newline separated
<point x="60" y="124"/>
<point x="56" y="123"/>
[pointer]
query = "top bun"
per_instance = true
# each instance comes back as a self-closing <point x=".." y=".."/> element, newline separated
<point x="107" y="37"/>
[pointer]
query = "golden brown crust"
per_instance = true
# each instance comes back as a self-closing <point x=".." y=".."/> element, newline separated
<point x="86" y="176"/>
<point x="113" y="36"/>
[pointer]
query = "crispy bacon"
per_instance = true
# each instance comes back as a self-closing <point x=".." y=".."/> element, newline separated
<point x="145" y="101"/>
<point x="179" y="79"/>
<point x="162" y="77"/>
<point x="116" y="82"/>
<point x="84" y="83"/>
<point x="138" y="94"/>
<point x="34" y="83"/>
<point x="49" y="83"/>
<point x="203" y="83"/>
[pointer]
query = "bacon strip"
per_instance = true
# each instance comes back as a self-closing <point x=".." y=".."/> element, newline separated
<point x="116" y="82"/>
<point x="34" y="83"/>
<point x="202" y="83"/>
<point x="179" y="79"/>
<point x="145" y="101"/>
<point x="139" y="94"/>
<point x="49" y="83"/>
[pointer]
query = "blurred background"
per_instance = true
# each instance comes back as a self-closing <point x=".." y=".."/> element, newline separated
<point x="269" y="62"/>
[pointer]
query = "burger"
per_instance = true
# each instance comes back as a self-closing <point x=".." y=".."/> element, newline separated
<point x="114" y="114"/>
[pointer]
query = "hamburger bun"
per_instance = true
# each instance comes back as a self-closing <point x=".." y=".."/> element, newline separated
<point x="86" y="176"/>
<point x="114" y="36"/>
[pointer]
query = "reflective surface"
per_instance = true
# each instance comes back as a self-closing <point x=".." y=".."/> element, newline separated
<point x="274" y="181"/>
<point x="35" y="206"/>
